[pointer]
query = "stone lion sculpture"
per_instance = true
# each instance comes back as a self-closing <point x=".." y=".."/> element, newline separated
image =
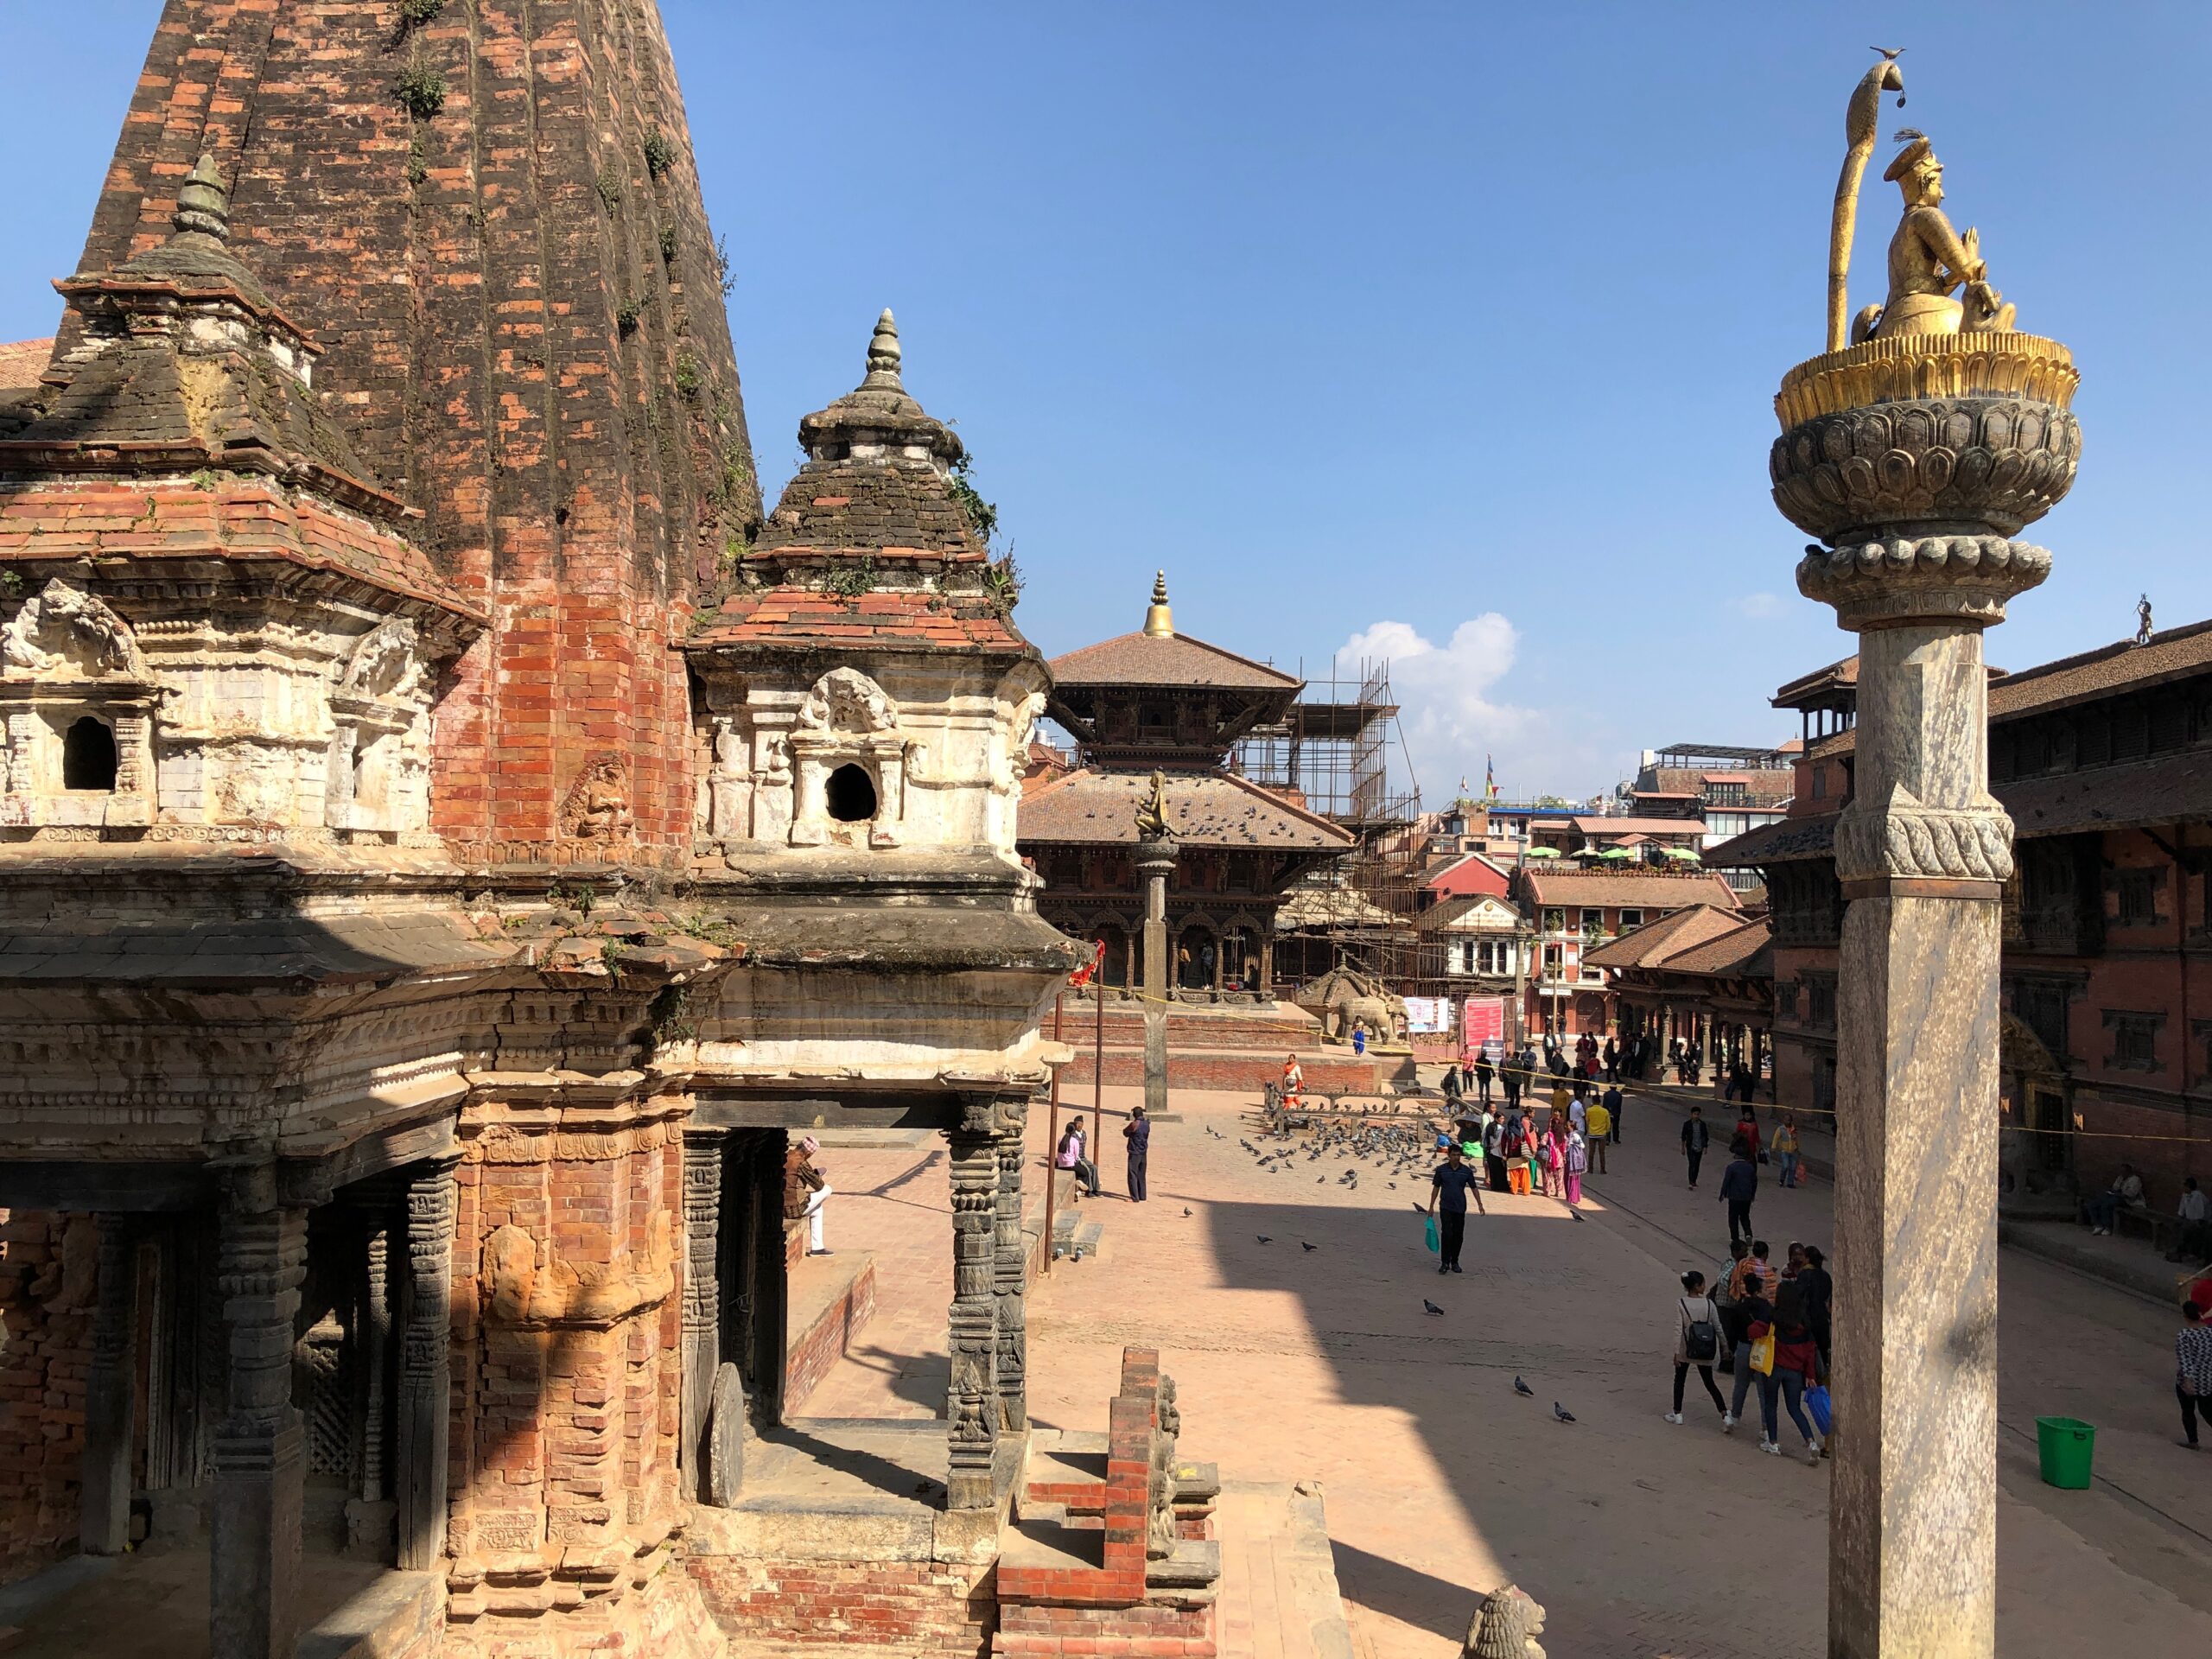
<point x="1506" y="1626"/>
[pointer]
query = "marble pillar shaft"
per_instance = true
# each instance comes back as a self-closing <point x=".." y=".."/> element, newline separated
<point x="972" y="1408"/>
<point x="1922" y="852"/>
<point x="1155" y="862"/>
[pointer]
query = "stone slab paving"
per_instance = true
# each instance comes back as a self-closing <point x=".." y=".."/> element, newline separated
<point x="1644" y="1539"/>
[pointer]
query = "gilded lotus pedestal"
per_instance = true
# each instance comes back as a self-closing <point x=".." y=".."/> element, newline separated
<point x="1917" y="460"/>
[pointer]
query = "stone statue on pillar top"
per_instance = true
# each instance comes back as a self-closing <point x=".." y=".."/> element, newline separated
<point x="1151" y="812"/>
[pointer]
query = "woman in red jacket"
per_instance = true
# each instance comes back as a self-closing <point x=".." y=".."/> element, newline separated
<point x="1796" y="1363"/>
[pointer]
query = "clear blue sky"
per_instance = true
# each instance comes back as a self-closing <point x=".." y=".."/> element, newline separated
<point x="1413" y="323"/>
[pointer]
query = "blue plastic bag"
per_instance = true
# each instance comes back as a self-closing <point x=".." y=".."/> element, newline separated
<point x="1817" y="1407"/>
<point x="1429" y="1234"/>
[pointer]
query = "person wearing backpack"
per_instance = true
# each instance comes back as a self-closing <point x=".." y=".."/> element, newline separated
<point x="1697" y="1342"/>
<point x="1515" y="1148"/>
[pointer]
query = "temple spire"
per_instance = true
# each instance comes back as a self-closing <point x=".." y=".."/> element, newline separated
<point x="883" y="354"/>
<point x="1159" y="621"/>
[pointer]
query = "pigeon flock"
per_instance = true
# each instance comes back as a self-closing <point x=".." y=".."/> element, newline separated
<point x="1378" y="1150"/>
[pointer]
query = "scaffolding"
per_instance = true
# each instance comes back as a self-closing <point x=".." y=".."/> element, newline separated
<point x="1332" y="751"/>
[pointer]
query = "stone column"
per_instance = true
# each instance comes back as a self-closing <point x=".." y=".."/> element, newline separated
<point x="1009" y="1274"/>
<point x="260" y="1462"/>
<point x="703" y="1309"/>
<point x="369" y="1517"/>
<point x="425" y="1369"/>
<point x="1922" y="852"/>
<point x="972" y="1408"/>
<point x="104" y="1507"/>
<point x="1155" y="862"/>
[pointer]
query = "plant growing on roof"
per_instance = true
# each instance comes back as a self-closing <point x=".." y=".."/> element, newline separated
<point x="983" y="515"/>
<point x="609" y="186"/>
<point x="625" y="319"/>
<point x="413" y="14"/>
<point x="660" y="155"/>
<point x="668" y="245"/>
<point x="689" y="380"/>
<point x="723" y="276"/>
<point x="1002" y="583"/>
<point x="849" y="582"/>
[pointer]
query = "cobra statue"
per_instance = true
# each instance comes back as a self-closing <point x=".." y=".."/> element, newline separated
<point x="1860" y="122"/>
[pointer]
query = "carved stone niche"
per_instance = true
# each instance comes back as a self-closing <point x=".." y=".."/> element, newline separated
<point x="848" y="760"/>
<point x="76" y="705"/>
<point x="377" y="784"/>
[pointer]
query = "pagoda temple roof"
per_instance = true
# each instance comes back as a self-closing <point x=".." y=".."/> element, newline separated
<point x="1172" y="659"/>
<point x="1092" y="808"/>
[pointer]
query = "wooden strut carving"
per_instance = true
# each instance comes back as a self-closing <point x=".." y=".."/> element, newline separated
<point x="1010" y="1276"/>
<point x="425" y="1366"/>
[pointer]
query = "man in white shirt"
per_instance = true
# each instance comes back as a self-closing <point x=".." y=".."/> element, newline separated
<point x="2196" y="1212"/>
<point x="1578" y="1113"/>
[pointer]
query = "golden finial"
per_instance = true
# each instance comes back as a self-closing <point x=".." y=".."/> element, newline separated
<point x="1159" y="621"/>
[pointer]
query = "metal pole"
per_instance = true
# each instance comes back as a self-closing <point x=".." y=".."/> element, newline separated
<point x="1052" y="1134"/>
<point x="1098" y="1081"/>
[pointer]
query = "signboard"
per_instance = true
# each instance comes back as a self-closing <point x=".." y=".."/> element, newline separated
<point x="1429" y="1014"/>
<point x="1482" y="1020"/>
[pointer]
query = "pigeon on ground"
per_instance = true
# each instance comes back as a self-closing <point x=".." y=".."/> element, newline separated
<point x="1263" y="1238"/>
<point x="1431" y="1307"/>
<point x="1394" y="1186"/>
<point x="1186" y="1209"/>
<point x="1519" y="1387"/>
<point x="1561" y="1413"/>
<point x="1421" y="1207"/>
<point x="1303" y="1245"/>
<point x="1576" y="1214"/>
<point x="1318" y="1179"/>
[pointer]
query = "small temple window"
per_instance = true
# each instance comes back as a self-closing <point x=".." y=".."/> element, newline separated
<point x="88" y="755"/>
<point x="852" y="794"/>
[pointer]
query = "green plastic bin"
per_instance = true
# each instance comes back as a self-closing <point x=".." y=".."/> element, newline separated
<point x="2068" y="1446"/>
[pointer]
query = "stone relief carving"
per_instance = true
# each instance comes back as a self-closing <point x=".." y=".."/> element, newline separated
<point x="597" y="805"/>
<point x="846" y="700"/>
<point x="1929" y="576"/>
<point x="383" y="663"/>
<point x="1904" y="837"/>
<point x="61" y="627"/>
<point x="525" y="1283"/>
<point x="726" y="793"/>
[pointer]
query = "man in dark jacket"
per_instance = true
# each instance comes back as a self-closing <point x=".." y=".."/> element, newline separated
<point x="1739" y="1184"/>
<point x="1695" y="1138"/>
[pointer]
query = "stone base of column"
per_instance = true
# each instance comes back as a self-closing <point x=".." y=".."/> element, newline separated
<point x="255" y="1554"/>
<point x="1155" y="1061"/>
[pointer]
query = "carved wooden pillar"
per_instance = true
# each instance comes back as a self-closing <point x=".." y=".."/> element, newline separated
<point x="369" y="1517"/>
<point x="703" y="1310"/>
<point x="425" y="1368"/>
<point x="771" y="1280"/>
<point x="104" y="1508"/>
<point x="972" y="1406"/>
<point x="260" y="1465"/>
<point x="1010" y="1274"/>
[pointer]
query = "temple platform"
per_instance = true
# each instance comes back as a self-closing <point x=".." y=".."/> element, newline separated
<point x="1233" y="1047"/>
<point x="153" y="1604"/>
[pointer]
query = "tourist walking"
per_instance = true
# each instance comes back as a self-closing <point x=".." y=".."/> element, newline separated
<point x="1293" y="1080"/>
<point x="1138" y="1133"/>
<point x="1601" y="1126"/>
<point x="1696" y="1136"/>
<point x="1611" y="1098"/>
<point x="2192" y="1369"/>
<point x="1751" y="1316"/>
<point x="1697" y="1342"/>
<point x="1578" y="1160"/>
<point x="1517" y="1149"/>
<point x="1786" y="1149"/>
<point x="1747" y="1130"/>
<point x="805" y="1193"/>
<point x="1740" y="1186"/>
<point x="1484" y="1071"/>
<point x="1792" y="1370"/>
<point x="1069" y="1156"/>
<point x="1449" y="1189"/>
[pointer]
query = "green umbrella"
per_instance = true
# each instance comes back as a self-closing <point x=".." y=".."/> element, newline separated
<point x="1617" y="853"/>
<point x="1543" y="852"/>
<point x="1682" y="852"/>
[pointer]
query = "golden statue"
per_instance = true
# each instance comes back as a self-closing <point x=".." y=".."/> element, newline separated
<point x="1152" y="813"/>
<point x="1928" y="258"/>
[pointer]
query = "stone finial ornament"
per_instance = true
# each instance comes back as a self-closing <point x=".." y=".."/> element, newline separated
<point x="1505" y="1626"/>
<point x="203" y="205"/>
<point x="1159" y="621"/>
<point x="883" y="354"/>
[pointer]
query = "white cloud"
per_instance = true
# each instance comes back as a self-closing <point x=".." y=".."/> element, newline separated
<point x="1760" y="605"/>
<point x="1447" y="712"/>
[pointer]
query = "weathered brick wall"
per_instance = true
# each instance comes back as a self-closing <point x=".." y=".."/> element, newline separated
<point x="1145" y="1631"/>
<point x="525" y="330"/>
<point x="815" y="1349"/>
<point x="48" y="1278"/>
<point x="927" y="1609"/>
